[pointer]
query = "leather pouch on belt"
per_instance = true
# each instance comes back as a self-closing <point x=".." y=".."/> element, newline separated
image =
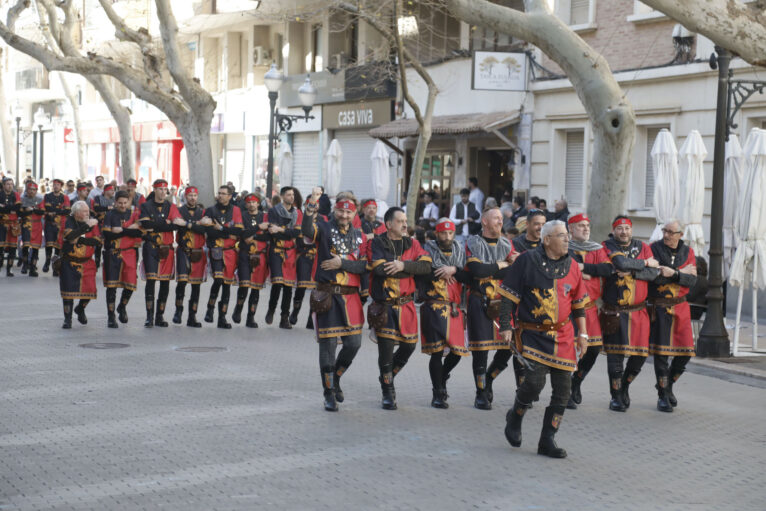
<point x="320" y="302"/>
<point x="377" y="315"/>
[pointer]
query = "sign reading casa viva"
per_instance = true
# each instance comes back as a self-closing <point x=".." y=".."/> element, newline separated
<point x="356" y="115"/>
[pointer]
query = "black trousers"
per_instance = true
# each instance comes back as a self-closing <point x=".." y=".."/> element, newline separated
<point x="287" y="296"/>
<point x="390" y="361"/>
<point x="674" y="369"/>
<point x="534" y="382"/>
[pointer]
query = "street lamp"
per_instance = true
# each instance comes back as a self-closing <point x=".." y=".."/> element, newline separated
<point x="40" y="119"/>
<point x="273" y="80"/>
<point x="18" y="111"/>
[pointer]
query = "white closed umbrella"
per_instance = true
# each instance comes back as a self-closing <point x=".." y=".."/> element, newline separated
<point x="732" y="187"/>
<point x="692" y="193"/>
<point x="749" y="264"/>
<point x="665" y="165"/>
<point x="381" y="177"/>
<point x="285" y="164"/>
<point x="333" y="159"/>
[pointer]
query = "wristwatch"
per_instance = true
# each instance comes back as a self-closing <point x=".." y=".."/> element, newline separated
<point x="583" y="335"/>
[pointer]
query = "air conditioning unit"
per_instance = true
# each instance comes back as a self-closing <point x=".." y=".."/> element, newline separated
<point x="261" y="56"/>
<point x="338" y="61"/>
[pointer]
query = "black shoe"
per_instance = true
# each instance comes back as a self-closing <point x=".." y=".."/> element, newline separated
<point x="192" y="321"/>
<point x="8" y="272"/>
<point x="269" y="316"/>
<point x="149" y="323"/>
<point x="571" y="405"/>
<point x="294" y="316"/>
<point x="33" y="272"/>
<point x="285" y="323"/>
<point x="513" y="421"/>
<point x="547" y="445"/>
<point x="615" y="389"/>
<point x="250" y="321"/>
<point x="81" y="317"/>
<point x="19" y="262"/>
<point x="159" y="320"/>
<point x="210" y="314"/>
<point x="178" y="316"/>
<point x="46" y="266"/>
<point x="663" y="404"/>
<point x="576" y="392"/>
<point x="310" y="323"/>
<point x="67" y="323"/>
<point x="330" y="403"/>
<point x="671" y="397"/>
<point x="24" y="269"/>
<point x="438" y="400"/>
<point x="625" y="387"/>
<point x="482" y="402"/>
<point x="388" y="401"/>
<point x="339" y="396"/>
<point x="488" y="389"/>
<point x="222" y="323"/>
<point x="616" y="405"/>
<point x="122" y="314"/>
<point x="111" y="321"/>
<point x="237" y="316"/>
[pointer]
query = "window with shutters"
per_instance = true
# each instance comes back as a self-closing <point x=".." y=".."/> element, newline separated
<point x="649" y="178"/>
<point x="574" y="168"/>
<point x="579" y="12"/>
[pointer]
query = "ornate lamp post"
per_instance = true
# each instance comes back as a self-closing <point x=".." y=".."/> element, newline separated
<point x="18" y="111"/>
<point x="41" y="119"/>
<point x="273" y="80"/>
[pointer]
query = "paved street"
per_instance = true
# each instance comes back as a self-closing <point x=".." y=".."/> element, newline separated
<point x="150" y="427"/>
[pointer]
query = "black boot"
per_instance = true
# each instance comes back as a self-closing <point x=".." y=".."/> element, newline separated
<point x="513" y="423"/>
<point x="663" y="403"/>
<point x="269" y="316"/>
<point x="284" y="322"/>
<point x="481" y="402"/>
<point x="547" y="445"/>
<point x="439" y="399"/>
<point x="22" y="261"/>
<point x="178" y="316"/>
<point x="388" y="402"/>
<point x="24" y="265"/>
<point x="310" y="322"/>
<point x="210" y="314"/>
<point x="491" y="373"/>
<point x="222" y="323"/>
<point x="80" y="312"/>
<point x="330" y="401"/>
<point x="33" y="268"/>
<point x="67" y="317"/>
<point x="615" y="389"/>
<point x="294" y="313"/>
<point x="250" y="320"/>
<point x="159" y="320"/>
<point x="9" y="267"/>
<point x="111" y="320"/>
<point x="149" y="323"/>
<point x="192" y="320"/>
<point x="575" y="398"/>
<point x="672" y="397"/>
<point x="237" y="315"/>
<point x="627" y="379"/>
<point x="337" y="373"/>
<point x="46" y="265"/>
<point x="122" y="314"/>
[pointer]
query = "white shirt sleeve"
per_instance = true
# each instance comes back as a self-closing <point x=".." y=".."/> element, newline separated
<point x="453" y="214"/>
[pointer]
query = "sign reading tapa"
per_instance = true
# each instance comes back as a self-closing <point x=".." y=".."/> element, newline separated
<point x="493" y="70"/>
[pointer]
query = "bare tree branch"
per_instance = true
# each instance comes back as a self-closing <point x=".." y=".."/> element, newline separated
<point x="15" y="11"/>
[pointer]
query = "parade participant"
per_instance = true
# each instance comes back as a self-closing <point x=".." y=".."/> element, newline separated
<point x="305" y="270"/>
<point x="222" y="236"/>
<point x="594" y="265"/>
<point x="465" y="216"/>
<point x="122" y="234"/>
<point x="284" y="227"/>
<point x="82" y="193"/>
<point x="335" y="302"/>
<point x="56" y="205"/>
<point x="136" y="199"/>
<point x="77" y="279"/>
<point x="488" y="256"/>
<point x="624" y="318"/>
<point x="159" y="217"/>
<point x="253" y="266"/>
<point x="371" y="227"/>
<point x="191" y="261"/>
<point x="10" y="229"/>
<point x="31" y="217"/>
<point x="100" y="204"/>
<point x="671" y="331"/>
<point x="395" y="259"/>
<point x="541" y="290"/>
<point x="442" y="323"/>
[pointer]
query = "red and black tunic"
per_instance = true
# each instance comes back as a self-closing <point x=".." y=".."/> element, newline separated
<point x="597" y="266"/>
<point x="282" y="248"/>
<point x="671" y="330"/>
<point x="375" y="227"/>
<point x="10" y="203"/>
<point x="253" y="268"/>
<point x="56" y="208"/>
<point x="157" y="218"/>
<point x="222" y="239"/>
<point x="78" y="269"/>
<point x="191" y="239"/>
<point x="31" y="218"/>
<point x="120" y="255"/>
<point x="546" y="292"/>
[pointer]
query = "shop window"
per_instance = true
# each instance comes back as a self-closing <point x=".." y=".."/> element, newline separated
<point x="436" y="176"/>
<point x="434" y="35"/>
<point x="574" y="168"/>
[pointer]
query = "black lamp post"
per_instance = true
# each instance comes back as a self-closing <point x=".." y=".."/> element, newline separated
<point x="18" y="144"/>
<point x="273" y="80"/>
<point x="40" y="119"/>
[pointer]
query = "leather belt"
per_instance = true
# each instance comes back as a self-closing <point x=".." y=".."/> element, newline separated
<point x="667" y="302"/>
<point x="590" y="305"/>
<point x="542" y="327"/>
<point x="76" y="259"/>
<point x="336" y="289"/>
<point x="615" y="309"/>
<point x="402" y="300"/>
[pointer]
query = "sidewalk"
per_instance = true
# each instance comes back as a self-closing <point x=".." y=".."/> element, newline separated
<point x="747" y="362"/>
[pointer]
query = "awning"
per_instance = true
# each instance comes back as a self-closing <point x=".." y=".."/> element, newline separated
<point x="448" y="125"/>
<point x="215" y="22"/>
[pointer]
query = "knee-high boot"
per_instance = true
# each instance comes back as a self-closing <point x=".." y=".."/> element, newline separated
<point x="547" y="444"/>
<point x="330" y="401"/>
<point x="513" y="422"/>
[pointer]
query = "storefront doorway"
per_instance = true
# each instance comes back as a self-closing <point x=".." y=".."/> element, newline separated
<point x="494" y="171"/>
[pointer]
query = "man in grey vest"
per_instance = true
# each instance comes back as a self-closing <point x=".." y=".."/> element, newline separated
<point x="465" y="216"/>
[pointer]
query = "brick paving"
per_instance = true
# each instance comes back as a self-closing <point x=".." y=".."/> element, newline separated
<point x="150" y="427"/>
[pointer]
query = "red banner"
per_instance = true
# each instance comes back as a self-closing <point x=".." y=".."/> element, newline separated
<point x="69" y="135"/>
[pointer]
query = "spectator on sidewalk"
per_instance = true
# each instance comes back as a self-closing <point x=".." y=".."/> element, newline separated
<point x="465" y="216"/>
<point x="476" y="196"/>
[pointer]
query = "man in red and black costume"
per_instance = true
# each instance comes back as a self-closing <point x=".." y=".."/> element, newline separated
<point x="624" y="318"/>
<point x="671" y="331"/>
<point x="442" y="322"/>
<point x="31" y="217"/>
<point x="340" y="262"/>
<point x="541" y="290"/>
<point x="395" y="259"/>
<point x="159" y="217"/>
<point x="305" y="270"/>
<point x="284" y="227"/>
<point x="488" y="257"/>
<point x="371" y="227"/>
<point x="56" y="205"/>
<point x="191" y="262"/>
<point x="122" y="235"/>
<point x="136" y="199"/>
<point x="253" y="266"/>
<point x="222" y="236"/>
<point x="10" y="228"/>
<point x="595" y="266"/>
<point x="77" y="280"/>
<point x="101" y="204"/>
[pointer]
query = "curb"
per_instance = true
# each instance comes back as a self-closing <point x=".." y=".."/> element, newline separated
<point x="730" y="368"/>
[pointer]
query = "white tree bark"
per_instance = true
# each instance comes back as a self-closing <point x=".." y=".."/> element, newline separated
<point x="730" y="24"/>
<point x="610" y="114"/>
<point x="9" y="153"/>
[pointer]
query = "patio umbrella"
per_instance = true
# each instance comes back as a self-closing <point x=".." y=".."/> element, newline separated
<point x="749" y="264"/>
<point x="665" y="166"/>
<point x="285" y="164"/>
<point x="381" y="175"/>
<point x="692" y="195"/>
<point x="333" y="159"/>
<point x="731" y="196"/>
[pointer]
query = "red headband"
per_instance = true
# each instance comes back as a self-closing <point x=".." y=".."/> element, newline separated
<point x="191" y="189"/>
<point x="445" y="226"/>
<point x="81" y="186"/>
<point x="32" y="185"/>
<point x="345" y="204"/>
<point x="108" y="187"/>
<point x="582" y="217"/>
<point x="252" y="198"/>
<point x="371" y="201"/>
<point x="160" y="183"/>
<point x="622" y="221"/>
